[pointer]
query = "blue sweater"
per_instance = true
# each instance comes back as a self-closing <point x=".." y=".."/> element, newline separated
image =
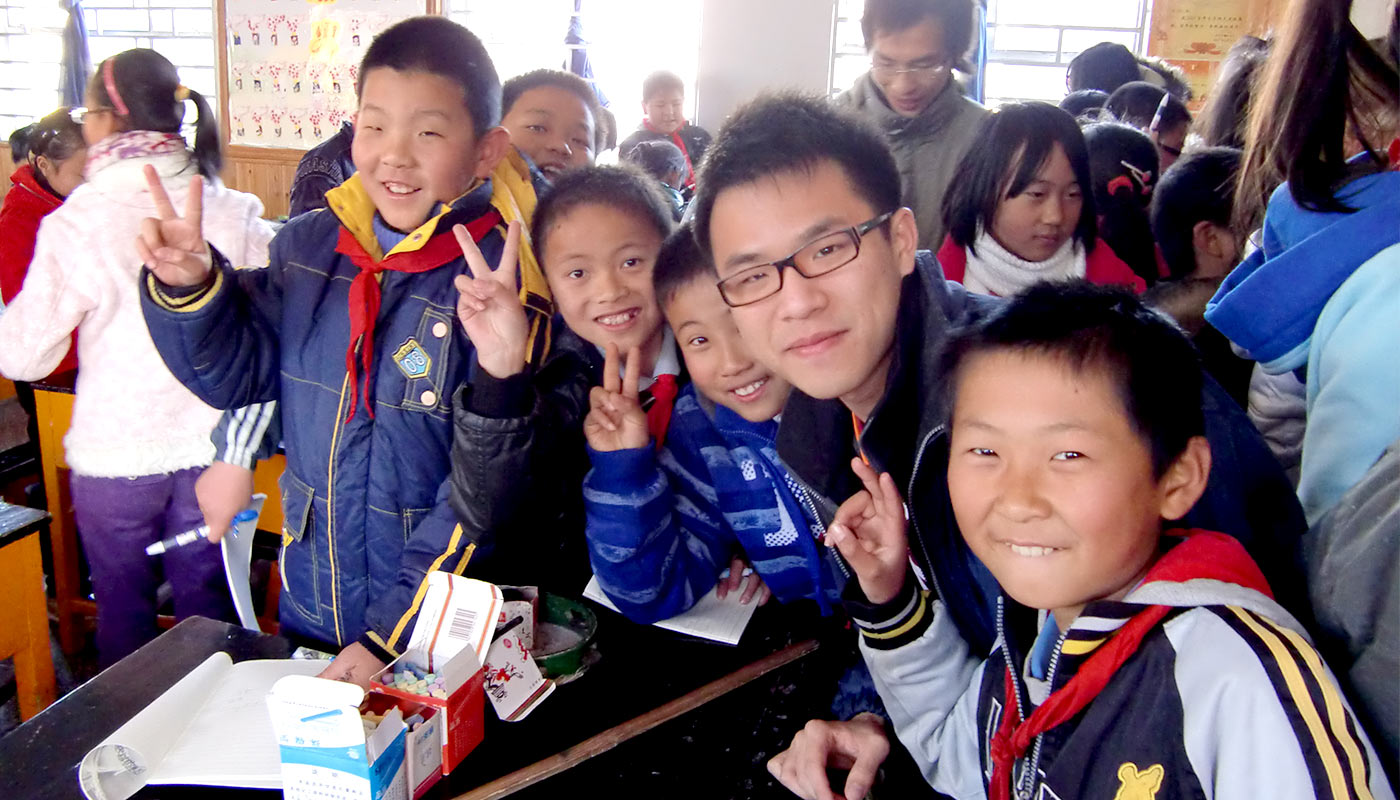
<point x="661" y="526"/>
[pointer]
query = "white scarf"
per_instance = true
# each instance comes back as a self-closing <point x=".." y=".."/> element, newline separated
<point x="995" y="270"/>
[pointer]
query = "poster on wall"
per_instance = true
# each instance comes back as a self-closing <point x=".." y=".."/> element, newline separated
<point x="1197" y="34"/>
<point x="293" y="65"/>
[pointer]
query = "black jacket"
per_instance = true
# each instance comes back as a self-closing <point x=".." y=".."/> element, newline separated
<point x="1248" y="496"/>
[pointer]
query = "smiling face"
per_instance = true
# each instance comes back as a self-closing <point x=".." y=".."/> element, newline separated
<point x="665" y="110"/>
<point x="830" y="336"/>
<point x="598" y="261"/>
<point x="1051" y="484"/>
<point x="716" y="356"/>
<point x="552" y="126"/>
<point x="911" y="66"/>
<point x="1037" y="222"/>
<point x="414" y="145"/>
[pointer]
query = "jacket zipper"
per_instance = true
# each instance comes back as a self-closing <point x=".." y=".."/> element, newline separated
<point x="330" y="506"/>
<point x="914" y="523"/>
<point x="1040" y="739"/>
<point x="1015" y="698"/>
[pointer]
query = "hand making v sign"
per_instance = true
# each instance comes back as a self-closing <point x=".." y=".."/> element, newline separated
<point x="488" y="304"/>
<point x="615" y="418"/>
<point x="172" y="246"/>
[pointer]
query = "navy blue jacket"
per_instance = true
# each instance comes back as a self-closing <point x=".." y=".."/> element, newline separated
<point x="365" y="501"/>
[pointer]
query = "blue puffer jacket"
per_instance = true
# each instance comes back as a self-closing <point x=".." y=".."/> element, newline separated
<point x="661" y="526"/>
<point x="365" y="500"/>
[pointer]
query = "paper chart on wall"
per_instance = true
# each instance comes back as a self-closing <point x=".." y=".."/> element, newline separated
<point x="293" y="65"/>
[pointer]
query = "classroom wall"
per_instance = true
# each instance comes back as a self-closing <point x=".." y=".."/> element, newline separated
<point x="748" y="46"/>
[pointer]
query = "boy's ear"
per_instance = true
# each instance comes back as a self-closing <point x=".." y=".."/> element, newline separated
<point x="904" y="239"/>
<point x="490" y="149"/>
<point x="1185" y="480"/>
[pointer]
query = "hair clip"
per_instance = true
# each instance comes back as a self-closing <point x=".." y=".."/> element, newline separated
<point x="182" y="93"/>
<point x="1157" y="115"/>
<point x="1142" y="176"/>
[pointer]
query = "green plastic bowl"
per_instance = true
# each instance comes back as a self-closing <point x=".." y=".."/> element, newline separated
<point x="563" y="635"/>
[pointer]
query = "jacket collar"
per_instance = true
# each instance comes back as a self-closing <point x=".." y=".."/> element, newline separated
<point x="25" y="180"/>
<point x="866" y="96"/>
<point x="351" y="204"/>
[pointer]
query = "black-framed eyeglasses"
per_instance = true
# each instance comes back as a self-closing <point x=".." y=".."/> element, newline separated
<point x="79" y="113"/>
<point x="826" y="253"/>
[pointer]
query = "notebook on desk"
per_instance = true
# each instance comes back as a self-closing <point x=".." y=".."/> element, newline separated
<point x="719" y="620"/>
<point x="210" y="729"/>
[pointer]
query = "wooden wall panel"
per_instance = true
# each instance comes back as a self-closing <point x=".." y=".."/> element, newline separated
<point x="7" y="166"/>
<point x="264" y="171"/>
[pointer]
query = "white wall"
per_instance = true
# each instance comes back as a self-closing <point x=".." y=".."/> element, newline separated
<point x="747" y="46"/>
<point x="1372" y="17"/>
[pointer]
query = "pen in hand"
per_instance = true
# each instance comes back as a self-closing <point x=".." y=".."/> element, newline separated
<point x="202" y="532"/>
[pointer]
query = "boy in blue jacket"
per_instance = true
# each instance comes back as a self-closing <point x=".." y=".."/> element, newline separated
<point x="352" y="329"/>
<point x="665" y="519"/>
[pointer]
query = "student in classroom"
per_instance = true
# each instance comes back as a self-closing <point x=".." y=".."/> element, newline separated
<point x="666" y="163"/>
<point x="663" y="102"/>
<point x="133" y="482"/>
<point x="361" y="535"/>
<point x="1123" y="168"/>
<point x="1157" y="113"/>
<point x="1077" y="442"/>
<point x="597" y="234"/>
<point x="552" y="117"/>
<point x="1021" y="209"/>
<point x="860" y="341"/>
<point x="666" y="518"/>
<point x="910" y="94"/>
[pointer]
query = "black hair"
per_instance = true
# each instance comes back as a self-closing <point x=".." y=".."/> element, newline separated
<point x="790" y="132"/>
<point x="1137" y="103"/>
<point x="1222" y="122"/>
<point x="439" y="46"/>
<point x="1105" y="66"/>
<point x="1152" y="365"/>
<point x="512" y="89"/>
<point x="661" y="81"/>
<point x="146" y="84"/>
<point x="1013" y="144"/>
<point x="1325" y="81"/>
<point x="679" y="264"/>
<point x="956" y="18"/>
<point x="56" y="137"/>
<point x="19" y="142"/>
<point x="1084" y="102"/>
<point x="623" y="187"/>
<point x="605" y="131"/>
<point x="1153" y="69"/>
<point x="658" y="157"/>
<point x="1121" y="195"/>
<point x="1199" y="187"/>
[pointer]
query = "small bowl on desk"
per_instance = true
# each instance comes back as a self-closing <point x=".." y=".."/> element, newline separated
<point x="563" y="638"/>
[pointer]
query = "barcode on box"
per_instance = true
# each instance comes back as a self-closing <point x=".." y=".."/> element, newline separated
<point x="463" y="624"/>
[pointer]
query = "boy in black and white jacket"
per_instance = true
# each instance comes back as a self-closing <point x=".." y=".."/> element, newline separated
<point x="1129" y="662"/>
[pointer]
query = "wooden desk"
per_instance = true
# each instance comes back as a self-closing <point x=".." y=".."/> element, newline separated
<point x="40" y="759"/>
<point x="24" y="617"/>
<point x="53" y="408"/>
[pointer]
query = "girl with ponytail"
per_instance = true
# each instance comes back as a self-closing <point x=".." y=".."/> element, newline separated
<point x="138" y="438"/>
<point x="1123" y="166"/>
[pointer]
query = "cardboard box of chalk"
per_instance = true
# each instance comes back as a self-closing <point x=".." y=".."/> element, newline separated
<point x="455" y="688"/>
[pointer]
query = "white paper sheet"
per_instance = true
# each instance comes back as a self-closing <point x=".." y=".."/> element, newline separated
<point x="238" y="560"/>
<point x="710" y="617"/>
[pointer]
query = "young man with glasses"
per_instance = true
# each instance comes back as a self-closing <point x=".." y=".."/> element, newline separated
<point x="909" y="93"/>
<point x="799" y="209"/>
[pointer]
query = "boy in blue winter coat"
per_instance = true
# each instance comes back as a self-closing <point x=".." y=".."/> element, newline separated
<point x="352" y="329"/>
<point x="665" y="519"/>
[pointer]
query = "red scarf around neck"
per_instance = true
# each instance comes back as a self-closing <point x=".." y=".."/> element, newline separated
<point x="1204" y="554"/>
<point x="365" y="292"/>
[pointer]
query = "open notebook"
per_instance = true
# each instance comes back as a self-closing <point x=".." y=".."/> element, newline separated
<point x="710" y="617"/>
<point x="210" y="729"/>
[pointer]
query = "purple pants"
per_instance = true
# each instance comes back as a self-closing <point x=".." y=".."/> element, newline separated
<point x="117" y="519"/>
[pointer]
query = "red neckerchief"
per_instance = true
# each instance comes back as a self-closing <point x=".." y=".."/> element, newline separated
<point x="678" y="142"/>
<point x="440" y="249"/>
<point x="1204" y="554"/>
<point x="663" y="393"/>
<point x="1393" y="153"/>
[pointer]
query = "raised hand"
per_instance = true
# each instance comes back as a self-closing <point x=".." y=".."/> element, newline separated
<point x="489" y="307"/>
<point x="869" y="531"/>
<point x="615" y="418"/>
<point x="859" y="745"/>
<point x="170" y="245"/>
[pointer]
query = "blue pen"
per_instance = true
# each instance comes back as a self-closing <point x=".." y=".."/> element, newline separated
<point x="202" y="532"/>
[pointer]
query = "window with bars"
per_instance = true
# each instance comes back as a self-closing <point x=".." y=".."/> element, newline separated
<point x="1029" y="42"/>
<point x="31" y="46"/>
